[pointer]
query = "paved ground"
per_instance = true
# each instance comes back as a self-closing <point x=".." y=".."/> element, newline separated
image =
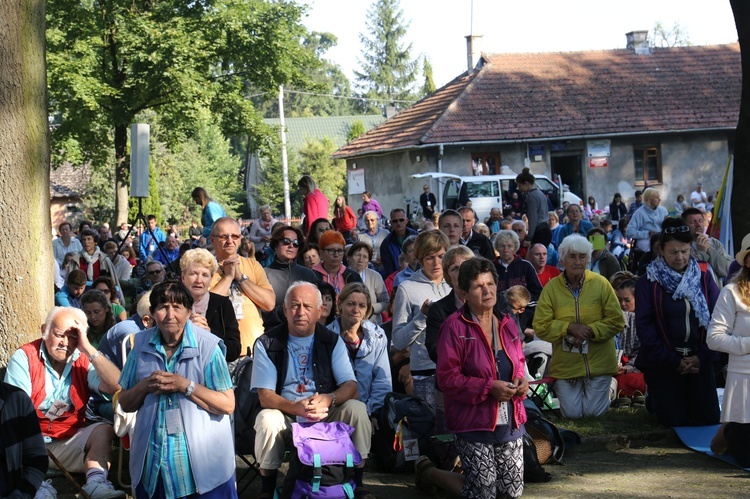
<point x="648" y="466"/>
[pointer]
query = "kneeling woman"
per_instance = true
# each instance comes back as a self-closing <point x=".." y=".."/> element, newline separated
<point x="177" y="379"/>
<point x="481" y="372"/>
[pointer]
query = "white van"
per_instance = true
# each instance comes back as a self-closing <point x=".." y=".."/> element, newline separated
<point x="488" y="191"/>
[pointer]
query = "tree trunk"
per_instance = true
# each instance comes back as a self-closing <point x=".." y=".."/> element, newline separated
<point x="26" y="260"/>
<point x="121" y="174"/>
<point x="741" y="180"/>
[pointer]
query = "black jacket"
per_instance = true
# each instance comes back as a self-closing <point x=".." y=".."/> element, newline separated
<point x="223" y="323"/>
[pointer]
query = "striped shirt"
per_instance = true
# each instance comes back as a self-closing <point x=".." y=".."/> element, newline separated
<point x="167" y="454"/>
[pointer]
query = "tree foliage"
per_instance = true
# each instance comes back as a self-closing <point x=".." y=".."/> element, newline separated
<point x="109" y="61"/>
<point x="387" y="71"/>
<point x="429" y="81"/>
<point x="669" y="37"/>
<point x="356" y="129"/>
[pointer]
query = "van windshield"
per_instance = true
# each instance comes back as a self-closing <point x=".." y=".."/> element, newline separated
<point x="482" y="189"/>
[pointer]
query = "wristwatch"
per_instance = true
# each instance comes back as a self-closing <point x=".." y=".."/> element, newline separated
<point x="243" y="278"/>
<point x="190" y="389"/>
<point x="333" y="401"/>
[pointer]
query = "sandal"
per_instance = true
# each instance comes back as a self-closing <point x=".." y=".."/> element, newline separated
<point x="622" y="401"/>
<point x="639" y="400"/>
<point x="420" y="467"/>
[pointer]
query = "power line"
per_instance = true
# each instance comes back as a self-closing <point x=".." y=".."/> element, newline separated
<point x="361" y="99"/>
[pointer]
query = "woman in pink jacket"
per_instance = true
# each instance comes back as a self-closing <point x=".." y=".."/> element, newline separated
<point x="480" y="370"/>
<point x="315" y="203"/>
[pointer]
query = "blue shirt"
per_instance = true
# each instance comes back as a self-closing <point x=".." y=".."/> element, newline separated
<point x="299" y="373"/>
<point x="167" y="455"/>
<point x="211" y="213"/>
<point x="148" y="244"/>
<point x="63" y="298"/>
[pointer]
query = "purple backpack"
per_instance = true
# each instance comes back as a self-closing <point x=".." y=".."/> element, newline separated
<point x="321" y="464"/>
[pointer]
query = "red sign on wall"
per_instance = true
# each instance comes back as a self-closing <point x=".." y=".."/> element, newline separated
<point x="598" y="162"/>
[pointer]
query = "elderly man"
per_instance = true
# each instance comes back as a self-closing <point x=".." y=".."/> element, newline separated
<point x="147" y="242"/>
<point x="65" y="243"/>
<point x="537" y="255"/>
<point x="290" y="386"/>
<point x="242" y="280"/>
<point x="698" y="198"/>
<point x="391" y="247"/>
<point x="476" y="242"/>
<point x="706" y="248"/>
<point x="169" y="253"/>
<point x="154" y="274"/>
<point x="59" y="371"/>
<point x="494" y="220"/>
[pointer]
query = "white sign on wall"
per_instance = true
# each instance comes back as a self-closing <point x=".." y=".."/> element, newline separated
<point x="356" y="181"/>
<point x="598" y="148"/>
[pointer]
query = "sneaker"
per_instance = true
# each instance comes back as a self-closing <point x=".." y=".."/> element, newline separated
<point x="46" y="491"/>
<point x="102" y="490"/>
<point x="422" y="465"/>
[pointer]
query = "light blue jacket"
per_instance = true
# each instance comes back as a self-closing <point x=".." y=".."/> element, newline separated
<point x="644" y="220"/>
<point x="371" y="365"/>
<point x="211" y="213"/>
<point x="209" y="436"/>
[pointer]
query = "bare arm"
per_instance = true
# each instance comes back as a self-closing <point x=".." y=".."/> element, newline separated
<point x="108" y="373"/>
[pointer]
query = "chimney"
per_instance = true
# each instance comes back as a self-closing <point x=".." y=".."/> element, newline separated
<point x="637" y="41"/>
<point x="473" y="50"/>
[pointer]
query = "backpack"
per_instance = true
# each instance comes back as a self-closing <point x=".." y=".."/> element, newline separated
<point x="407" y="424"/>
<point x="547" y="438"/>
<point x="321" y="462"/>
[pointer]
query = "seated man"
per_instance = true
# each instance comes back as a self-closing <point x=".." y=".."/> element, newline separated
<point x="59" y="371"/>
<point x="23" y="450"/>
<point x="323" y="391"/>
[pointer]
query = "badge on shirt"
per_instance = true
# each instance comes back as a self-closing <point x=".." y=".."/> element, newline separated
<point x="174" y="421"/>
<point x="503" y="416"/>
<point x="237" y="300"/>
<point x="57" y="409"/>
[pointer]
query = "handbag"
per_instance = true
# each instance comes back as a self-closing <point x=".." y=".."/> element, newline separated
<point x="124" y="422"/>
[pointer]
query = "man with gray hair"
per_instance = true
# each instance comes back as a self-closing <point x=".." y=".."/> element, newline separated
<point x="59" y="371"/>
<point x="290" y="386"/>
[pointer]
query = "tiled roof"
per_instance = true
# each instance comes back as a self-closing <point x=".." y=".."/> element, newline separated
<point x="539" y="96"/>
<point x="68" y="181"/>
<point x="336" y="128"/>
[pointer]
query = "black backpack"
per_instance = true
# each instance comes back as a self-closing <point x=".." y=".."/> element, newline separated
<point x="404" y="418"/>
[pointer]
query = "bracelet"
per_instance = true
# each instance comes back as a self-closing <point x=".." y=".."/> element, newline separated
<point x="97" y="354"/>
<point x="333" y="401"/>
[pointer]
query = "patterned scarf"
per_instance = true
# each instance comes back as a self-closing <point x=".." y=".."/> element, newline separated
<point x="687" y="285"/>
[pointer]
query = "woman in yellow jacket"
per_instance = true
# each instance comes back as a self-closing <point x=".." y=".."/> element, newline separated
<point x="579" y="314"/>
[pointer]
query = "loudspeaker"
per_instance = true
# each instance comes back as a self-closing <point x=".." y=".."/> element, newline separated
<point x="139" y="151"/>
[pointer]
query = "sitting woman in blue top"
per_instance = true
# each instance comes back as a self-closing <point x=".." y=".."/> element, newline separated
<point x="674" y="302"/>
<point x="177" y="379"/>
<point x="367" y="346"/>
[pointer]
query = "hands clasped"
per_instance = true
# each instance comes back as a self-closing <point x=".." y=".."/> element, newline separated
<point x="314" y="408"/>
<point x="164" y="382"/>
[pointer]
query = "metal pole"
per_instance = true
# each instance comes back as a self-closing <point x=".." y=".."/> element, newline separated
<point x="284" y="160"/>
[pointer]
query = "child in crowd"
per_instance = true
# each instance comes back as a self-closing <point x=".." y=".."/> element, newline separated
<point x="631" y="385"/>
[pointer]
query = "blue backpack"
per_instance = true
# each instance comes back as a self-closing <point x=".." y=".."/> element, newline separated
<point x="321" y="463"/>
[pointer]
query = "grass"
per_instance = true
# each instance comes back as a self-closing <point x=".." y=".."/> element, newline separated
<point x="625" y="421"/>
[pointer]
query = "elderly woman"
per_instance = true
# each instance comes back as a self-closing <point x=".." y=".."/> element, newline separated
<point x="373" y="234"/>
<point x="729" y="332"/>
<point x="177" y="379"/>
<point x="331" y="268"/>
<point x="674" y="302"/>
<point x="260" y="232"/>
<point x="359" y="256"/>
<point x="484" y="386"/>
<point x="578" y="312"/>
<point x="367" y="347"/>
<point x="210" y="311"/>
<point x="410" y="308"/>
<point x="311" y="256"/>
<point x="645" y="222"/>
<point x="511" y="269"/>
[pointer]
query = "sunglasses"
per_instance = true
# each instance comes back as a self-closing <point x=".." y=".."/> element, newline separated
<point x="399" y="220"/>
<point x="294" y="242"/>
<point x="674" y="230"/>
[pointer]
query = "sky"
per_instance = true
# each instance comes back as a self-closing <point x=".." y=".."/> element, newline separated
<point x="438" y="27"/>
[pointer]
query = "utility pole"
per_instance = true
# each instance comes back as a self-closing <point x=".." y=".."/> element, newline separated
<point x="284" y="160"/>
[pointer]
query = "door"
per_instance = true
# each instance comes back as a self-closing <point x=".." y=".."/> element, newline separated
<point x="569" y="169"/>
<point x="450" y="194"/>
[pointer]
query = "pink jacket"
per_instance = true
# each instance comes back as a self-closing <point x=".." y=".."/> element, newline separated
<point x="466" y="368"/>
<point x="314" y="206"/>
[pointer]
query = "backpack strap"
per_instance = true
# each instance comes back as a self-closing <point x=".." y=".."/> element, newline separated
<point x="317" y="473"/>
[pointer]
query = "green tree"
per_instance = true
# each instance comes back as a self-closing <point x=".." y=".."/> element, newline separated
<point x="330" y="174"/>
<point x="387" y="72"/>
<point x="665" y="37"/>
<point x="152" y="204"/>
<point x="429" y="81"/>
<point x="356" y="129"/>
<point x="270" y="189"/>
<point x="109" y="61"/>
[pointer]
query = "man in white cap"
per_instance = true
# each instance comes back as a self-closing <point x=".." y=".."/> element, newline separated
<point x="698" y="198"/>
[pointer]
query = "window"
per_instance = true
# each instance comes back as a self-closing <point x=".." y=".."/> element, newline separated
<point x="482" y="189"/>
<point x="485" y="164"/>
<point x="647" y="164"/>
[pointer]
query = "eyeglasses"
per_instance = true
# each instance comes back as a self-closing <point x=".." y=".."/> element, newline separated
<point x="154" y="272"/>
<point x="334" y="252"/>
<point x="398" y="220"/>
<point x="674" y="230"/>
<point x="225" y="237"/>
<point x="294" y="242"/>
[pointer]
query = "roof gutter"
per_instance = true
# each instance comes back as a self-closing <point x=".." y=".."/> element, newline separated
<point x="441" y="145"/>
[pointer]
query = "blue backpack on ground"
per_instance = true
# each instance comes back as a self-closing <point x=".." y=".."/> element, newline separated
<point x="321" y="462"/>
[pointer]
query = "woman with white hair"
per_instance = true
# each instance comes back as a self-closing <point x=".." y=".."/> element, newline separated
<point x="646" y="221"/>
<point x="260" y="231"/>
<point x="579" y="314"/>
<point x="512" y="270"/>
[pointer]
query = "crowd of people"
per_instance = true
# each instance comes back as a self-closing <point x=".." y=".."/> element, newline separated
<point x="617" y="307"/>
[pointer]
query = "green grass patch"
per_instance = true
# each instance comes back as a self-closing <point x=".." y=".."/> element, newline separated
<point x="623" y="421"/>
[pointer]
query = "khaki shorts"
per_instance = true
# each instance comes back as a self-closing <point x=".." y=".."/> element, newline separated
<point x="72" y="452"/>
